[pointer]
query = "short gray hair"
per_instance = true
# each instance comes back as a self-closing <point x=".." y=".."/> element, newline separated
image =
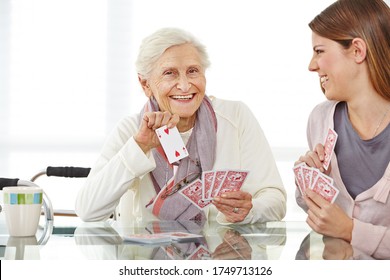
<point x="153" y="46"/>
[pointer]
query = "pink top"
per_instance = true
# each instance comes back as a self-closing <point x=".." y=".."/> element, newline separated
<point x="371" y="209"/>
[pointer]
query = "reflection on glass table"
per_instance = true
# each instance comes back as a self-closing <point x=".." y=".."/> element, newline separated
<point x="318" y="247"/>
<point x="71" y="239"/>
<point x="217" y="242"/>
<point x="20" y="248"/>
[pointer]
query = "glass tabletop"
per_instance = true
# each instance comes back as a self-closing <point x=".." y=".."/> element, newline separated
<point x="70" y="238"/>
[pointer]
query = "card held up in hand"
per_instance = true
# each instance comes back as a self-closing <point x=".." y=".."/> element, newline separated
<point x="330" y="143"/>
<point x="172" y="143"/>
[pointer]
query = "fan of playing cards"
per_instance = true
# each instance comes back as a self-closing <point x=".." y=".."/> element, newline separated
<point x="213" y="184"/>
<point x="312" y="178"/>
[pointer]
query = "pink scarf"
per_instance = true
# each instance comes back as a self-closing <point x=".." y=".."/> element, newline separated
<point x="201" y="147"/>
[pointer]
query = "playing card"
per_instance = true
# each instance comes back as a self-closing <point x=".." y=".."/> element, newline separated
<point x="316" y="173"/>
<point x="307" y="173"/>
<point x="324" y="188"/>
<point x="208" y="179"/>
<point x="330" y="143"/>
<point x="299" y="177"/>
<point x="193" y="192"/>
<point x="218" y="179"/>
<point x="147" y="238"/>
<point x="201" y="253"/>
<point x="171" y="252"/>
<point x="172" y="143"/>
<point x="233" y="181"/>
<point x="184" y="236"/>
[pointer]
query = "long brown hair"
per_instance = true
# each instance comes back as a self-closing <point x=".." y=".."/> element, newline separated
<point x="369" y="20"/>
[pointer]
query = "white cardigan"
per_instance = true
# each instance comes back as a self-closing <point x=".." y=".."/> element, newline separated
<point x="121" y="173"/>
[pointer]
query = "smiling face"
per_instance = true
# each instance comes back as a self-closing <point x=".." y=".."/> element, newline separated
<point x="178" y="83"/>
<point x="335" y="66"/>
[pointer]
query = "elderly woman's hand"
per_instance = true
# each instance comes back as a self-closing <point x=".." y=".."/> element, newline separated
<point x="146" y="137"/>
<point x="233" y="247"/>
<point x="234" y="205"/>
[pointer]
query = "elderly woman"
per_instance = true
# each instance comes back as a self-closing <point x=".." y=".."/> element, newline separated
<point x="132" y="170"/>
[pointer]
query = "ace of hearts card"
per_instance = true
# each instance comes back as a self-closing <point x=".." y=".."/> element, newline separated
<point x="172" y="143"/>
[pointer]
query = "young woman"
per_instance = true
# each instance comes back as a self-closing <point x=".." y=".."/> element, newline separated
<point x="351" y="55"/>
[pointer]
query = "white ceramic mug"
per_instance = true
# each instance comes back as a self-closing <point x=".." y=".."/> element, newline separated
<point x="22" y="209"/>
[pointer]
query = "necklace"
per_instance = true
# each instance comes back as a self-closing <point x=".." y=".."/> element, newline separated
<point x="380" y="123"/>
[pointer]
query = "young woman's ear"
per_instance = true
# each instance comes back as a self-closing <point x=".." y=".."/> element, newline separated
<point x="145" y="86"/>
<point x="359" y="48"/>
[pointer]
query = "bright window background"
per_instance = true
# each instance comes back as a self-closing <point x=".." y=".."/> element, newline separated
<point x="67" y="75"/>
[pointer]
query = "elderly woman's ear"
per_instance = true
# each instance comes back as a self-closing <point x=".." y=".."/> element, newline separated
<point x="145" y="86"/>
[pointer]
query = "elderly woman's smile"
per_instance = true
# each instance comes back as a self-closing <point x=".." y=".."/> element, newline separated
<point x="182" y="97"/>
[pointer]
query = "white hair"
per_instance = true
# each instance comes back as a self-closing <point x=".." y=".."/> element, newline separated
<point x="153" y="46"/>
